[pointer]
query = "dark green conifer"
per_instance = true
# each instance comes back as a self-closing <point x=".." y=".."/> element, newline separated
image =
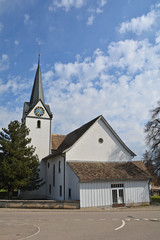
<point x="18" y="163"/>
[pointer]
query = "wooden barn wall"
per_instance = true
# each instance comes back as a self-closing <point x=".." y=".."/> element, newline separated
<point x="136" y="192"/>
<point x="95" y="194"/>
<point x="100" y="194"/>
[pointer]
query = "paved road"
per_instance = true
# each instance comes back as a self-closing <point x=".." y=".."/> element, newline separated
<point x="117" y="224"/>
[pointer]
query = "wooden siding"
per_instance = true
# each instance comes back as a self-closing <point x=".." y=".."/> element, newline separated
<point x="136" y="192"/>
<point x="100" y="194"/>
<point x="95" y="194"/>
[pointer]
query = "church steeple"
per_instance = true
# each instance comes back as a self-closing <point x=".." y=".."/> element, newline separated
<point x="37" y="90"/>
<point x="36" y="95"/>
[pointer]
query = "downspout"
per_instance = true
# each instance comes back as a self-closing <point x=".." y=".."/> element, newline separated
<point x="149" y="189"/>
<point x="64" y="177"/>
<point x="50" y="138"/>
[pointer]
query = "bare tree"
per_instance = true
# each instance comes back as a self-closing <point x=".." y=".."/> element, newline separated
<point x="152" y="130"/>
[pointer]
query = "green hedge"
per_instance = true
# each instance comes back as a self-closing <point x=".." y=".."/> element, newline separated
<point x="155" y="199"/>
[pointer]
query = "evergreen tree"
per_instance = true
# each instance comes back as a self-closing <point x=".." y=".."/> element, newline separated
<point x="152" y="156"/>
<point x="18" y="164"/>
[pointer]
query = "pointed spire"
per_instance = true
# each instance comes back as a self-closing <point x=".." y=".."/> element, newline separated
<point x="37" y="90"/>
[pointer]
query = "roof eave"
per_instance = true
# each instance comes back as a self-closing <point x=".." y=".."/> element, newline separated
<point x="114" y="180"/>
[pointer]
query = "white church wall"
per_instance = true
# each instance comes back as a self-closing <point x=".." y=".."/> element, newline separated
<point x="71" y="185"/>
<point x="40" y="137"/>
<point x="55" y="184"/>
<point x="98" y="144"/>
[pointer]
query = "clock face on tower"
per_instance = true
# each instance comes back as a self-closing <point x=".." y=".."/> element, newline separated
<point x="39" y="111"/>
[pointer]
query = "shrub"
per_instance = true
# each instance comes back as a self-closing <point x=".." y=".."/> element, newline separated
<point x="155" y="199"/>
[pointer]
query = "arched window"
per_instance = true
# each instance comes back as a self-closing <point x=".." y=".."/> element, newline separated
<point x="38" y="124"/>
<point x="53" y="175"/>
<point x="59" y="167"/>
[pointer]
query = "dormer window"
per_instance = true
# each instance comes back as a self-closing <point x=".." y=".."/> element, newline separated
<point x="38" y="124"/>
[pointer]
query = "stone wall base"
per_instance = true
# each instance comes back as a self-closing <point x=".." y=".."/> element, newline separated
<point x="41" y="204"/>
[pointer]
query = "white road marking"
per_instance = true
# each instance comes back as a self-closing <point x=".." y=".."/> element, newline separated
<point x="127" y="219"/>
<point x="154" y="219"/>
<point x="136" y="219"/>
<point x="38" y="231"/>
<point x="146" y="219"/>
<point x="123" y="223"/>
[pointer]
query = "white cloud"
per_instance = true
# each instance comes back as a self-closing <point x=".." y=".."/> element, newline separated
<point x="142" y="23"/>
<point x="66" y="4"/>
<point x="12" y="91"/>
<point x="8" y="116"/>
<point x="4" y="62"/>
<point x="90" y="20"/>
<point x="94" y="10"/>
<point x="13" y="85"/>
<point x="123" y="85"/>
<point x="48" y="76"/>
<point x="157" y="40"/>
<point x="1" y="26"/>
<point x="16" y="42"/>
<point x="102" y="3"/>
<point x="34" y="67"/>
<point x="27" y="19"/>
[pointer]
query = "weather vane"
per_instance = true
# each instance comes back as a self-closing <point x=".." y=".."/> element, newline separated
<point x="39" y="44"/>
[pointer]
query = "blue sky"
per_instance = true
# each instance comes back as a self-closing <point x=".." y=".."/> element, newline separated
<point x="97" y="57"/>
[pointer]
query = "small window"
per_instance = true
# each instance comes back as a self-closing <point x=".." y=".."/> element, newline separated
<point x="120" y="185"/>
<point x="60" y="190"/>
<point x="38" y="124"/>
<point x="53" y="175"/>
<point x="69" y="193"/>
<point x="48" y="164"/>
<point x="59" y="166"/>
<point x="49" y="188"/>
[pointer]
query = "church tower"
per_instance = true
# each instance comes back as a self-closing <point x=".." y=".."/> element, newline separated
<point x="37" y="117"/>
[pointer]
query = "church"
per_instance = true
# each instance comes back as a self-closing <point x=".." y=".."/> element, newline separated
<point x="91" y="164"/>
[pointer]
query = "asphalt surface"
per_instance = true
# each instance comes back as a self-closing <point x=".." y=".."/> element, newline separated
<point x="139" y="223"/>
